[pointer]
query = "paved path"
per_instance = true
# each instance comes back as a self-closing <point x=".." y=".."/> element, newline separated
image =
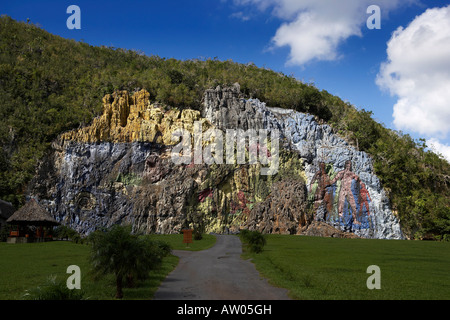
<point x="217" y="273"/>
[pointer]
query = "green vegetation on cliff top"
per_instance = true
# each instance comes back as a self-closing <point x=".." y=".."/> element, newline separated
<point x="49" y="85"/>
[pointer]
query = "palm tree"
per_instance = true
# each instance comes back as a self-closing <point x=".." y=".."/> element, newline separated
<point x="124" y="254"/>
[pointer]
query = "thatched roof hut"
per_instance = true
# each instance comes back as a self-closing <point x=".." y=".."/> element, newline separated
<point x="32" y="214"/>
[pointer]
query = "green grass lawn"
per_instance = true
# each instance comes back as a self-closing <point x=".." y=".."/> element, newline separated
<point x="330" y="268"/>
<point x="26" y="266"/>
<point x="310" y="267"/>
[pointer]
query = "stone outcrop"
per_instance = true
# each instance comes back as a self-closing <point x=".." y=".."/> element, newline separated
<point x="283" y="211"/>
<point x="128" y="118"/>
<point x="119" y="170"/>
<point x="323" y="229"/>
<point x="227" y="109"/>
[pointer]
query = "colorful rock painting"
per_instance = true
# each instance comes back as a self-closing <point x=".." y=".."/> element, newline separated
<point x="204" y="194"/>
<point x="340" y="198"/>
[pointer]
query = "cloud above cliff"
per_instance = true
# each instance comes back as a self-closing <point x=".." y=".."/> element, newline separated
<point x="417" y="73"/>
<point x="313" y="30"/>
<point x="417" y="69"/>
<point x="439" y="148"/>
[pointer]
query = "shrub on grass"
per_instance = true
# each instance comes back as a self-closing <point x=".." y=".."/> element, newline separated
<point x="243" y="234"/>
<point x="64" y="232"/>
<point x="164" y="248"/>
<point x="4" y="232"/>
<point x="254" y="240"/>
<point x="126" y="255"/>
<point x="54" y="290"/>
<point x="198" y="234"/>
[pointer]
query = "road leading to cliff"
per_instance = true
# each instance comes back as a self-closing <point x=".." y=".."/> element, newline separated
<point x="218" y="273"/>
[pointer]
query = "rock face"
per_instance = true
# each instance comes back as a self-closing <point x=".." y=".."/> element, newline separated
<point x="323" y="229"/>
<point x="283" y="211"/>
<point x="227" y="109"/>
<point x="340" y="180"/>
<point x="129" y="118"/>
<point x="119" y="170"/>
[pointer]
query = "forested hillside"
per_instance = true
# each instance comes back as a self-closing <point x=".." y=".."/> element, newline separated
<point x="49" y="85"/>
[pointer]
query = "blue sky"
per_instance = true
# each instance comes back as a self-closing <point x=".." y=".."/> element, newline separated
<point x="325" y="42"/>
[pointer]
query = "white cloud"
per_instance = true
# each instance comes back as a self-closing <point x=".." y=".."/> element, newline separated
<point x="439" y="148"/>
<point x="314" y="29"/>
<point x="241" y="16"/>
<point x="417" y="72"/>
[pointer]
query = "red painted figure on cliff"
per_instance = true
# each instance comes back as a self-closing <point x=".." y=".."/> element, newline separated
<point x="321" y="193"/>
<point x="364" y="198"/>
<point x="346" y="176"/>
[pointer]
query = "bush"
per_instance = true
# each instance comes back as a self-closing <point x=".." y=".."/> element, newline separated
<point x="64" y="232"/>
<point x="254" y="240"/>
<point x="54" y="290"/>
<point x="128" y="256"/>
<point x="4" y="232"/>
<point x="198" y="235"/>
<point x="244" y="234"/>
<point x="164" y="247"/>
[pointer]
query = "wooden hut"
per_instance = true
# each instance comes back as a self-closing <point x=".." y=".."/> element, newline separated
<point x="32" y="223"/>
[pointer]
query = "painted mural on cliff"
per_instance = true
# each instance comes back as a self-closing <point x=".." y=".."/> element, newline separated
<point x="107" y="173"/>
<point x="340" y="198"/>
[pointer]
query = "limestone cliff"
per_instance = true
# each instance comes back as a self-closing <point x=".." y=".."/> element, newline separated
<point x="119" y="170"/>
<point x="342" y="188"/>
<point x="129" y="118"/>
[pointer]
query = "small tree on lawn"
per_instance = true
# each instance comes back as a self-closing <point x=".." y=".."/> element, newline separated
<point x="126" y="255"/>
